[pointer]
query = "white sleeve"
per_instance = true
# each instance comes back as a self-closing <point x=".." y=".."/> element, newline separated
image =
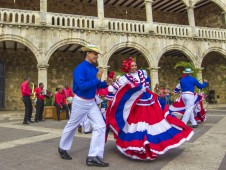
<point x="116" y="85"/>
<point x="178" y="86"/>
<point x="111" y="89"/>
<point x="145" y="74"/>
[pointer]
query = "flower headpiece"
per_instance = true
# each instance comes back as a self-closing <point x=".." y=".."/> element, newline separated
<point x="111" y="75"/>
<point x="126" y="65"/>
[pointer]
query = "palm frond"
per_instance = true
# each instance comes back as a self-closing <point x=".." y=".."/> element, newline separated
<point x="223" y="67"/>
<point x="185" y="64"/>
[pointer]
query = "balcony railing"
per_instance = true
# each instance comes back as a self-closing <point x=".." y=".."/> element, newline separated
<point x="15" y="16"/>
<point x="211" y="33"/>
<point x="27" y="17"/>
<point x="125" y="25"/>
<point x="72" y="21"/>
<point x="172" y="29"/>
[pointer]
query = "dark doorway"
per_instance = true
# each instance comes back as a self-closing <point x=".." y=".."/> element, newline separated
<point x="2" y="85"/>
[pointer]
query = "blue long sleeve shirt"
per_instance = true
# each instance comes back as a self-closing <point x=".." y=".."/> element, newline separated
<point x="85" y="82"/>
<point x="188" y="83"/>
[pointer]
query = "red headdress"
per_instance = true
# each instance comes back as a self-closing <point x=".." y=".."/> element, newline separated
<point x="126" y="65"/>
<point x="111" y="75"/>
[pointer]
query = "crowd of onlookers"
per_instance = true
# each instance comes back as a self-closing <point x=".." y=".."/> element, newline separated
<point x="164" y="92"/>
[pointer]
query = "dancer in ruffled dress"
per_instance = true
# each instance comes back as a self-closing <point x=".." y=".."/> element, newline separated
<point x="142" y="129"/>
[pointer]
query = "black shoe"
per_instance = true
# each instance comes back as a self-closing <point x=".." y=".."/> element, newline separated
<point x="195" y="126"/>
<point x="64" y="154"/>
<point x="36" y="121"/>
<point x="25" y="123"/>
<point x="96" y="161"/>
<point x="31" y="121"/>
<point x="80" y="129"/>
<point x="88" y="132"/>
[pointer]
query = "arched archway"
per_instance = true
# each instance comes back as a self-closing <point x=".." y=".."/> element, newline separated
<point x="61" y="43"/>
<point x="181" y="48"/>
<point x="167" y="62"/>
<point x="212" y="62"/>
<point x="213" y="49"/>
<point x="117" y="58"/>
<point x="145" y="53"/>
<point x="23" y="41"/>
<point x="61" y="63"/>
<point x="19" y="61"/>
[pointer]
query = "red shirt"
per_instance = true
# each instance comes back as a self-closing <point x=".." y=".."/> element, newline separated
<point x="25" y="89"/>
<point x="59" y="99"/>
<point x="68" y="92"/>
<point x="38" y="92"/>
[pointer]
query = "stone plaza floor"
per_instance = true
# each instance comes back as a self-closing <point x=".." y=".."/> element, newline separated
<point x="34" y="146"/>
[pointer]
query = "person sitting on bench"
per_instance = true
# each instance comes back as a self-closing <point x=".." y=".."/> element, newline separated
<point x="60" y="103"/>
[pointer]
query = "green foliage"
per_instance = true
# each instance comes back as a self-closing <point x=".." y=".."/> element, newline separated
<point x="118" y="72"/>
<point x="223" y="67"/>
<point x="185" y="64"/>
<point x="48" y="101"/>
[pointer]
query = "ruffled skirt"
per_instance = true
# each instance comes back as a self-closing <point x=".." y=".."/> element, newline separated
<point x="142" y="129"/>
<point x="199" y="111"/>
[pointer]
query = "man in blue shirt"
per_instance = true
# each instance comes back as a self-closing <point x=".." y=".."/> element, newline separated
<point x="86" y="80"/>
<point x="188" y="84"/>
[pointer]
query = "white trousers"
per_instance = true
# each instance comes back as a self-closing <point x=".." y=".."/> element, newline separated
<point x="86" y="124"/>
<point x="80" y="109"/>
<point x="189" y="100"/>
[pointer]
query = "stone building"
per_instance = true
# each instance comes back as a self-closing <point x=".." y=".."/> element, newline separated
<point x="42" y="39"/>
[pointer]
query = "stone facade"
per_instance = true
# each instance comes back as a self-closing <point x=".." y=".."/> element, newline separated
<point x="215" y="74"/>
<point x="44" y="62"/>
<point x="21" y="4"/>
<point x="167" y="73"/>
<point x="214" y="18"/>
<point x="61" y="66"/>
<point x="18" y="65"/>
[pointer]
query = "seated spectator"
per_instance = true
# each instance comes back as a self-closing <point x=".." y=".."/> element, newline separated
<point x="60" y="103"/>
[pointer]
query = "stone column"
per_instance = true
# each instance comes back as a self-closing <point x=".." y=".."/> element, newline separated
<point x="105" y="74"/>
<point x="100" y="13"/>
<point x="199" y="75"/>
<point x="191" y="18"/>
<point x="149" y="15"/>
<point x="224" y="19"/>
<point x="154" y="77"/>
<point x="43" y="11"/>
<point x="42" y="74"/>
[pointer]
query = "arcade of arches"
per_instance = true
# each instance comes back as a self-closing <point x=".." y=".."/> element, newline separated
<point x="18" y="61"/>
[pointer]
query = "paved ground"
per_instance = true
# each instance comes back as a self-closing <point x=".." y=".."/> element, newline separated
<point x="35" y="147"/>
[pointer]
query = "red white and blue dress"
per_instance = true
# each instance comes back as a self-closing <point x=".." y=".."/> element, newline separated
<point x="178" y="107"/>
<point x="142" y="129"/>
